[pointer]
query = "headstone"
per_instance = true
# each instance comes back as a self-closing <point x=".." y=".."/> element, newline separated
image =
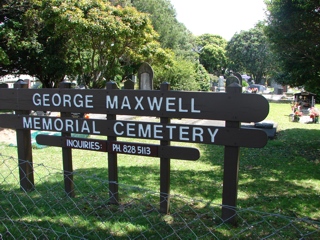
<point x="145" y="75"/>
<point x="232" y="79"/>
<point x="221" y="87"/>
<point x="129" y="84"/>
<point x="238" y="75"/>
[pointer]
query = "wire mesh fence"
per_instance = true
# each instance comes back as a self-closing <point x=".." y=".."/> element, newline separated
<point x="48" y="213"/>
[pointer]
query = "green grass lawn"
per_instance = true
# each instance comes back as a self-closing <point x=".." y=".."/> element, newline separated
<point x="282" y="178"/>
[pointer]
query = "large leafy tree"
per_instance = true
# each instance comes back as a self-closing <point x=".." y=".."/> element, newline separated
<point x="172" y="34"/>
<point x="91" y="39"/>
<point x="29" y="44"/>
<point x="110" y="41"/>
<point x="212" y="53"/>
<point x="185" y="73"/>
<point x="249" y="51"/>
<point x="294" y="32"/>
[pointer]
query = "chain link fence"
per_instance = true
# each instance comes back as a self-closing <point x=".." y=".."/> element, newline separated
<point x="48" y="213"/>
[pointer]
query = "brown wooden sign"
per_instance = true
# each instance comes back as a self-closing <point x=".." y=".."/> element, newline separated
<point x="149" y="150"/>
<point x="242" y="137"/>
<point x="231" y="106"/>
<point x="172" y="104"/>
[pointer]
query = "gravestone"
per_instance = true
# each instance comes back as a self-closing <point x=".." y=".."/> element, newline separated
<point x="238" y="75"/>
<point x="221" y="87"/>
<point x="129" y="84"/>
<point x="232" y="79"/>
<point x="145" y="75"/>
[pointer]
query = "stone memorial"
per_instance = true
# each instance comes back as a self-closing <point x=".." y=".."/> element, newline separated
<point x="129" y="84"/>
<point x="145" y="75"/>
<point x="232" y="79"/>
<point x="221" y="87"/>
<point x="238" y="75"/>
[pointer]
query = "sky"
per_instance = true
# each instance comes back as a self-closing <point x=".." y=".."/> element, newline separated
<point x="221" y="17"/>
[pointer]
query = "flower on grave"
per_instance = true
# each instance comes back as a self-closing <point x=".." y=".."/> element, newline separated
<point x="254" y="90"/>
<point x="298" y="113"/>
<point x="295" y="106"/>
<point x="314" y="112"/>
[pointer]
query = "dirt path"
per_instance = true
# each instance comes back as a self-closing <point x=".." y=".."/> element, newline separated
<point x="7" y="135"/>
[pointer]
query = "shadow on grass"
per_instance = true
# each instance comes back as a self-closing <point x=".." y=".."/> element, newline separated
<point x="282" y="177"/>
<point x="47" y="212"/>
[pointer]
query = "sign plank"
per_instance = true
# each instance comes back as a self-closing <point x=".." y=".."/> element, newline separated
<point x="243" y="137"/>
<point x="149" y="150"/>
<point x="173" y="104"/>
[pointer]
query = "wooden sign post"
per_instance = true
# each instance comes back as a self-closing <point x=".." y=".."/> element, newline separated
<point x="231" y="170"/>
<point x="24" y="149"/>
<point x="113" y="159"/>
<point x="165" y="166"/>
<point x="67" y="153"/>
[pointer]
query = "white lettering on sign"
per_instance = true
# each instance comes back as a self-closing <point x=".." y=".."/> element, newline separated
<point x="116" y="148"/>
<point x="83" y="144"/>
<point x="156" y="131"/>
<point x="159" y="131"/>
<point x="64" y="100"/>
<point x="136" y="103"/>
<point x="131" y="149"/>
<point x="57" y="124"/>
<point x="170" y="104"/>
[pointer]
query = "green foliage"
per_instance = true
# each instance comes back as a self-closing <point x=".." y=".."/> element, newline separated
<point x="294" y="32"/>
<point x="248" y="51"/>
<point x="212" y="53"/>
<point x="202" y="77"/>
<point x="92" y="40"/>
<point x="211" y="39"/>
<point x="172" y="34"/>
<point x="245" y="83"/>
<point x="180" y="75"/>
<point x="108" y="40"/>
<point x="29" y="42"/>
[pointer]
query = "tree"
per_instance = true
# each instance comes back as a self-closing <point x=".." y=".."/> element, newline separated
<point x="28" y="43"/>
<point x="212" y="53"/>
<point x="248" y="51"/>
<point x="110" y="41"/>
<point x="294" y="32"/>
<point x="180" y="74"/>
<point x="202" y="78"/>
<point x="90" y="39"/>
<point x="184" y="73"/>
<point x="172" y="34"/>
